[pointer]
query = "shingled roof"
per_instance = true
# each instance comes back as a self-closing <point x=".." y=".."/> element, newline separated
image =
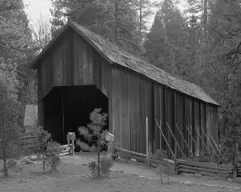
<point x="117" y="55"/>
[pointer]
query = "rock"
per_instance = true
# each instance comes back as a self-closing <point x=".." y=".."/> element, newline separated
<point x="133" y="160"/>
<point x="27" y="161"/>
<point x="34" y="157"/>
<point x="187" y="183"/>
<point x="197" y="175"/>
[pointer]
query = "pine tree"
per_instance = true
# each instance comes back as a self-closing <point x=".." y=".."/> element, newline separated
<point x="164" y="42"/>
<point x="112" y="19"/>
<point x="95" y="129"/>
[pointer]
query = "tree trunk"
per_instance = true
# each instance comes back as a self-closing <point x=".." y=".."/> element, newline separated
<point x="4" y="146"/>
<point x="98" y="162"/>
<point x="141" y="19"/>
<point x="116" y="21"/>
<point x="5" y="161"/>
<point x="205" y="18"/>
<point x="43" y="162"/>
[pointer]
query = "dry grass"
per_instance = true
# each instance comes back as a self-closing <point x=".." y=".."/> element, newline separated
<point x="74" y="176"/>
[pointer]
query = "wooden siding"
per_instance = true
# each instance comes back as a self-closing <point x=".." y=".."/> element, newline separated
<point x="131" y="98"/>
<point x="131" y="104"/>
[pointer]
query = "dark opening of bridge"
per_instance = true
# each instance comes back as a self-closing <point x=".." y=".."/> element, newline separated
<point x="68" y="107"/>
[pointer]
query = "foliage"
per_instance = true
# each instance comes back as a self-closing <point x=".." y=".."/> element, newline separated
<point x="10" y="129"/>
<point x="165" y="169"/>
<point x="117" y="21"/>
<point x="105" y="164"/>
<point x="53" y="158"/>
<point x="164" y="43"/>
<point x="40" y="145"/>
<point x="93" y="168"/>
<point x="95" y="129"/>
<point x="160" y="154"/>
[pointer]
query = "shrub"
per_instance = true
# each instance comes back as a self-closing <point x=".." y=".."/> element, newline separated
<point x="40" y="142"/>
<point x="53" y="159"/>
<point x="95" y="129"/>
<point x="165" y="169"/>
<point x="105" y="165"/>
<point x="160" y="155"/>
<point x="93" y="168"/>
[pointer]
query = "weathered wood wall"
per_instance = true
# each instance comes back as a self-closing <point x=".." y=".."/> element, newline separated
<point x="132" y="98"/>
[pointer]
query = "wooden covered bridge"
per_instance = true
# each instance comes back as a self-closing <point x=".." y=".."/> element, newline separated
<point x="79" y="71"/>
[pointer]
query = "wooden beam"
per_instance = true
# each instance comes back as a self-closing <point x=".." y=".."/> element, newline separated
<point x="184" y="139"/>
<point x="147" y="136"/>
<point x="206" y="135"/>
<point x="165" y="139"/>
<point x="175" y="139"/>
<point x="201" y="138"/>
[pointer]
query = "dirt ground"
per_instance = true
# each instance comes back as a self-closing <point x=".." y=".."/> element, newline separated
<point x="74" y="176"/>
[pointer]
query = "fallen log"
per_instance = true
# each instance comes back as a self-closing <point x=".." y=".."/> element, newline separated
<point x="131" y="152"/>
<point x="183" y="170"/>
<point x="198" y="169"/>
<point x="199" y="164"/>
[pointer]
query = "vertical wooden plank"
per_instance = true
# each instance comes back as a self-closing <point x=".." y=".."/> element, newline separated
<point x="134" y="90"/>
<point x="144" y="85"/>
<point x="57" y="66"/>
<point x="106" y="78"/>
<point x="161" y="114"/>
<point x="157" y="116"/>
<point x="76" y="59"/>
<point x="90" y="57"/>
<point x="128" y="120"/>
<point x="78" y="55"/>
<point x="64" y="63"/>
<point x="151" y="120"/>
<point x="116" y="106"/>
<point x="125" y="112"/>
<point x="151" y="113"/>
<point x="70" y="57"/>
<point x="192" y="126"/>
<point x="164" y="116"/>
<point x="137" y="115"/>
<point x="87" y="65"/>
<point x="121" y="80"/>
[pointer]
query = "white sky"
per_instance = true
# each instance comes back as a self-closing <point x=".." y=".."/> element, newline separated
<point x="38" y="8"/>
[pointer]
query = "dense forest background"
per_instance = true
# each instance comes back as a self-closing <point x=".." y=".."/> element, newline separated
<point x="201" y="45"/>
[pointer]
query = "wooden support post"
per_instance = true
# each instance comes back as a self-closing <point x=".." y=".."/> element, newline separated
<point x="175" y="159"/>
<point x="165" y="139"/>
<point x="191" y="135"/>
<point x="235" y="158"/>
<point x="215" y="144"/>
<point x="209" y="142"/>
<point x="160" y="137"/>
<point x="184" y="139"/>
<point x="202" y="139"/>
<point x="175" y="139"/>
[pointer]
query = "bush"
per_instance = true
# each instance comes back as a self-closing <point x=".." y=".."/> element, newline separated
<point x="105" y="165"/>
<point x="53" y="159"/>
<point x="160" y="154"/>
<point x="93" y="168"/>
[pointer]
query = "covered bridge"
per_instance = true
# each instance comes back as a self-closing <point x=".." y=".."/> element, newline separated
<point x="79" y="71"/>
